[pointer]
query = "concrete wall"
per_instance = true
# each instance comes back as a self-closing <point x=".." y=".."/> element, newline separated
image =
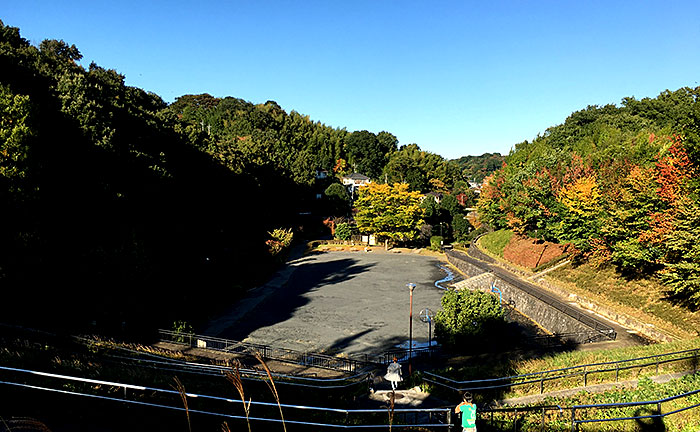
<point x="548" y="317"/>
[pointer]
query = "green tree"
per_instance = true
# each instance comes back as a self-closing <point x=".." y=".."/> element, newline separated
<point x="343" y="231"/>
<point x="366" y="153"/>
<point x="338" y="198"/>
<point x="15" y="136"/>
<point x="390" y="212"/>
<point x="682" y="265"/>
<point x="466" y="316"/>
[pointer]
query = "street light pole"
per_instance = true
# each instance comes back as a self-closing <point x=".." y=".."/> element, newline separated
<point x="411" y="287"/>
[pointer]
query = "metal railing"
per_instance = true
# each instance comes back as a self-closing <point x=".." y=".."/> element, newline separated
<point x="192" y="368"/>
<point x="655" y="414"/>
<point x="345" y="364"/>
<point x="533" y="418"/>
<point x="584" y="371"/>
<point x="221" y="407"/>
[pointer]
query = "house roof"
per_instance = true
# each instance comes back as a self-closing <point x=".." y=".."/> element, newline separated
<point x="356" y="176"/>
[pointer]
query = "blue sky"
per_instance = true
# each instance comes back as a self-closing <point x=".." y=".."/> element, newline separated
<point x="455" y="77"/>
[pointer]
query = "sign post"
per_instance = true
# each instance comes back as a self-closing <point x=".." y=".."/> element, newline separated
<point x="426" y="315"/>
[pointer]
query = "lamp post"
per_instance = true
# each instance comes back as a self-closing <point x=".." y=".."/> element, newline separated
<point x="411" y="287"/>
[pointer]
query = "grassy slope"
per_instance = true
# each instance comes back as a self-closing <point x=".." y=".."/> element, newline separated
<point x="646" y="390"/>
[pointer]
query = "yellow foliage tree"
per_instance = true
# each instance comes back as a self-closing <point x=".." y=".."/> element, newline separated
<point x="581" y="197"/>
<point x="389" y="212"/>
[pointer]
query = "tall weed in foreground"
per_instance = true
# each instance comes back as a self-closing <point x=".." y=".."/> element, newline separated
<point x="23" y="424"/>
<point x="235" y="379"/>
<point x="390" y="409"/>
<point x="271" y="385"/>
<point x="183" y="395"/>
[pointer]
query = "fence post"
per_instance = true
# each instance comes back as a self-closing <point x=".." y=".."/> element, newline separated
<point x="449" y="418"/>
<point x="585" y="376"/>
<point x="657" y="366"/>
<point x="542" y="425"/>
<point x="573" y="419"/>
<point x="617" y="372"/>
<point x="541" y="385"/>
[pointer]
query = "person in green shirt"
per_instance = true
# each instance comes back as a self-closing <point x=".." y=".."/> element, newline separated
<point x="468" y="410"/>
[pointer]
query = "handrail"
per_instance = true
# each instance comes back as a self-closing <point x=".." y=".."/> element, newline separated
<point x="695" y="350"/>
<point x="485" y="412"/>
<point x="582" y="370"/>
<point x="196" y="396"/>
<point x="575" y="423"/>
<point x="283" y="354"/>
<point x="219" y="368"/>
<point x="258" y="376"/>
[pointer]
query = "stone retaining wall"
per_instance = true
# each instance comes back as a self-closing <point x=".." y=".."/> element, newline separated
<point x="547" y="316"/>
<point x="647" y="330"/>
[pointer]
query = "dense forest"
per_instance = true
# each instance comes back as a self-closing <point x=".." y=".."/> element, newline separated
<point x="116" y="203"/>
<point x="620" y="184"/>
<point x="477" y="168"/>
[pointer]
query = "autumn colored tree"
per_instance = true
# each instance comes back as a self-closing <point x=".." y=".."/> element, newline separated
<point x="579" y="221"/>
<point x="682" y="262"/>
<point x="611" y="181"/>
<point x="391" y="212"/>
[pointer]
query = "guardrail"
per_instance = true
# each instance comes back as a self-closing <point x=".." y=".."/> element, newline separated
<point x="179" y="366"/>
<point x="539" y="417"/>
<point x="692" y="355"/>
<point x="345" y="364"/>
<point x="221" y="407"/>
<point x="656" y="414"/>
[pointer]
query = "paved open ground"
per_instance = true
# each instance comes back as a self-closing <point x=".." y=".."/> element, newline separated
<point x="338" y="302"/>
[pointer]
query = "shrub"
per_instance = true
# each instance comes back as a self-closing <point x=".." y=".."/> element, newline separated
<point x="280" y="240"/>
<point x="343" y="231"/>
<point x="436" y="242"/>
<point x="182" y="329"/>
<point x="466" y="317"/>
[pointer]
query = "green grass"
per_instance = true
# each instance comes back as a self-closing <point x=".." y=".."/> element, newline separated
<point x="642" y="299"/>
<point x="646" y="390"/>
<point x="500" y="368"/>
<point x="496" y="241"/>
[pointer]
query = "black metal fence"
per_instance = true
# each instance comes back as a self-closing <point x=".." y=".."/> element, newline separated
<point x="345" y="364"/>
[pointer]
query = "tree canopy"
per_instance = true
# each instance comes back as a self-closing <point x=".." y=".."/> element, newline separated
<point x="389" y="211"/>
<point x="619" y="183"/>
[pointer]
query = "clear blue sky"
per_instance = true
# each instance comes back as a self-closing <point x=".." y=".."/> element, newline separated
<point x="455" y="77"/>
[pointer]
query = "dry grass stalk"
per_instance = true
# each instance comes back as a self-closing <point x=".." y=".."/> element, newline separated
<point x="390" y="408"/>
<point x="24" y="424"/>
<point x="271" y="385"/>
<point x="235" y="379"/>
<point x="183" y="395"/>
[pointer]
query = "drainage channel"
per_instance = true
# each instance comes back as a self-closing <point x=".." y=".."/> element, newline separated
<point x="450" y="276"/>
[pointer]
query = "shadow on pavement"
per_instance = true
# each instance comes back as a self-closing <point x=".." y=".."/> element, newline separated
<point x="282" y="304"/>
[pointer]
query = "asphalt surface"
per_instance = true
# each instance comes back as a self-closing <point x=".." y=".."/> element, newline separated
<point x="338" y="302"/>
